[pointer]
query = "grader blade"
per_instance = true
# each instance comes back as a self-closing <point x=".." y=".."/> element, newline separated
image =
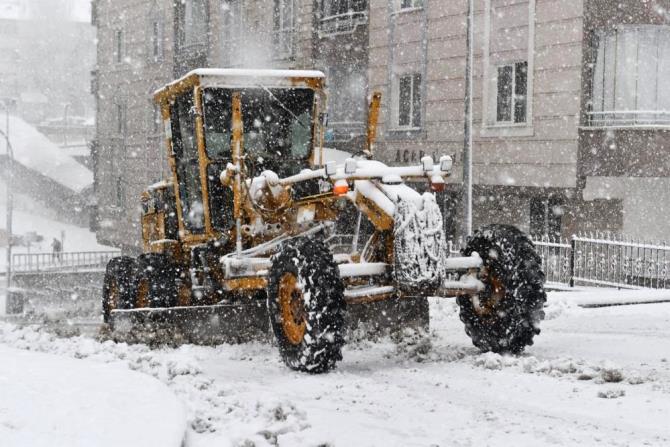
<point x="208" y="325"/>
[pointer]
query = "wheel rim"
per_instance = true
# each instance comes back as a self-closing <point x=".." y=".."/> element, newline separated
<point x="184" y="295"/>
<point x="113" y="296"/>
<point x="485" y="305"/>
<point x="292" y="309"/>
<point x="142" y="294"/>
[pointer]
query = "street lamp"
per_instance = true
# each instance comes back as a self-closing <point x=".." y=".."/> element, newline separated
<point x="7" y="104"/>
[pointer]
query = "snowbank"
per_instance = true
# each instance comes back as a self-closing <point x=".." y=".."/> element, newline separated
<point x="57" y="401"/>
<point x="35" y="151"/>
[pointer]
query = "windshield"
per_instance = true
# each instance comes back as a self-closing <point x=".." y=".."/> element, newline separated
<point x="277" y="127"/>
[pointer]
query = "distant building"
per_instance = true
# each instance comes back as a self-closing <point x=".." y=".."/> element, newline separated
<point x="570" y="121"/>
<point x="47" y="51"/>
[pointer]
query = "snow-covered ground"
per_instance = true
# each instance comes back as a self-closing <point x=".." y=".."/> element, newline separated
<point x="48" y="400"/>
<point x="595" y="376"/>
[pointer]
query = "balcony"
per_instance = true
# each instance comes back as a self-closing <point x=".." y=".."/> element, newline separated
<point x="342" y="16"/>
<point x="645" y="119"/>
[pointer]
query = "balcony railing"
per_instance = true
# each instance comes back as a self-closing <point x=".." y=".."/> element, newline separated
<point x="342" y="16"/>
<point x="630" y="118"/>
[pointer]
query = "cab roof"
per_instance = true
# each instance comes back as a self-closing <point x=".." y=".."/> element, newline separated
<point x="241" y="78"/>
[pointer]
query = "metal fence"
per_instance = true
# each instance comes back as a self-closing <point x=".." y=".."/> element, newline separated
<point x="601" y="259"/>
<point x="65" y="261"/>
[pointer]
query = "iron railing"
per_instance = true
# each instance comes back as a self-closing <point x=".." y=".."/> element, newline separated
<point x="629" y="118"/>
<point x="601" y="259"/>
<point x="64" y="261"/>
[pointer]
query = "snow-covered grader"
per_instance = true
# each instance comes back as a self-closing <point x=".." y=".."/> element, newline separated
<point x="259" y="226"/>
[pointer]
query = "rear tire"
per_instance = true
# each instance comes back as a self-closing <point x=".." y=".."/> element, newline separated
<point x="306" y="306"/>
<point x="506" y="315"/>
<point x="156" y="283"/>
<point x="118" y="289"/>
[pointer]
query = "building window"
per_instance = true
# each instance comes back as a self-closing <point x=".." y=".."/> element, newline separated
<point x="156" y="118"/>
<point x="410" y="4"/>
<point x="545" y="216"/>
<point x="409" y="101"/>
<point x="195" y="23"/>
<point x="233" y="27"/>
<point x="512" y="93"/>
<point x="119" y="192"/>
<point x="118" y="46"/>
<point x="120" y="120"/>
<point x="630" y="79"/>
<point x="156" y="40"/>
<point x="283" y="28"/>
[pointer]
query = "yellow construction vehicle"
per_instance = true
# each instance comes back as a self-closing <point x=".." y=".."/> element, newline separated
<point x="260" y="226"/>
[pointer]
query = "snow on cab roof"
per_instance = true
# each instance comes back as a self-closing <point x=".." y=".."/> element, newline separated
<point x="245" y="73"/>
<point x="36" y="152"/>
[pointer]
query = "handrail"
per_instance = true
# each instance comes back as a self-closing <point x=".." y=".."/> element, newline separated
<point x="60" y="261"/>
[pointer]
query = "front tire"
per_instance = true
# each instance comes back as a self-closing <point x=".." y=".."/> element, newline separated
<point x="156" y="282"/>
<point x="506" y="315"/>
<point x="306" y="306"/>
<point x="118" y="289"/>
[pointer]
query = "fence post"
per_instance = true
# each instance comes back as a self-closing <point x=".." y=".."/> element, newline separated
<point x="573" y="246"/>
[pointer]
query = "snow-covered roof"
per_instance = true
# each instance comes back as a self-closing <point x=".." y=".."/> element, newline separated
<point x="235" y="75"/>
<point x="36" y="152"/>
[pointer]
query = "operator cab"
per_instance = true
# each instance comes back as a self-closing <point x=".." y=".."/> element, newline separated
<point x="281" y="129"/>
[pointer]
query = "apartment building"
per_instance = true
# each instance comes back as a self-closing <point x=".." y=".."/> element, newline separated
<point x="556" y="148"/>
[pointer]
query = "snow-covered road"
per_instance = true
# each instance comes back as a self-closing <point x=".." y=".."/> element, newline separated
<point x="594" y="377"/>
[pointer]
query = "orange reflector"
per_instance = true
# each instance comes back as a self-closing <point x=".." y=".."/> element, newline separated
<point x="437" y="186"/>
<point x="340" y="188"/>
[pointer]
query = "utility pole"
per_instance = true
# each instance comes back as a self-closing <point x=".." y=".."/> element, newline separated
<point x="10" y="197"/>
<point x="467" y="146"/>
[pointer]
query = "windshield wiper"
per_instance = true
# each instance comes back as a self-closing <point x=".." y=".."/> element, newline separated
<point x="283" y="106"/>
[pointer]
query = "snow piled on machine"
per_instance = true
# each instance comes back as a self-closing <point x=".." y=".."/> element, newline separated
<point x="420" y="244"/>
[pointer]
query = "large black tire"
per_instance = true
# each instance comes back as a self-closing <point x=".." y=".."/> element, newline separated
<point x="118" y="288"/>
<point x="306" y="306"/>
<point x="156" y="282"/>
<point x="506" y="315"/>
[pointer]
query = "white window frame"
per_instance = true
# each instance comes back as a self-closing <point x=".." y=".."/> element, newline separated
<point x="284" y="33"/>
<point x="489" y="126"/>
<point x="156" y="40"/>
<point x="396" y="101"/>
<point x="233" y="32"/>
<point x="193" y="36"/>
<point x="511" y="121"/>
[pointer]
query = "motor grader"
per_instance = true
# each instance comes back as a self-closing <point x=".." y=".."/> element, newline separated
<point x="260" y="226"/>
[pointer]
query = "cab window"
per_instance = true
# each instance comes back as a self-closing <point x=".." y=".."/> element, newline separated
<point x="188" y="168"/>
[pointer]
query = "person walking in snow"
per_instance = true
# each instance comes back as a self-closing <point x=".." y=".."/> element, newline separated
<point x="57" y="248"/>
